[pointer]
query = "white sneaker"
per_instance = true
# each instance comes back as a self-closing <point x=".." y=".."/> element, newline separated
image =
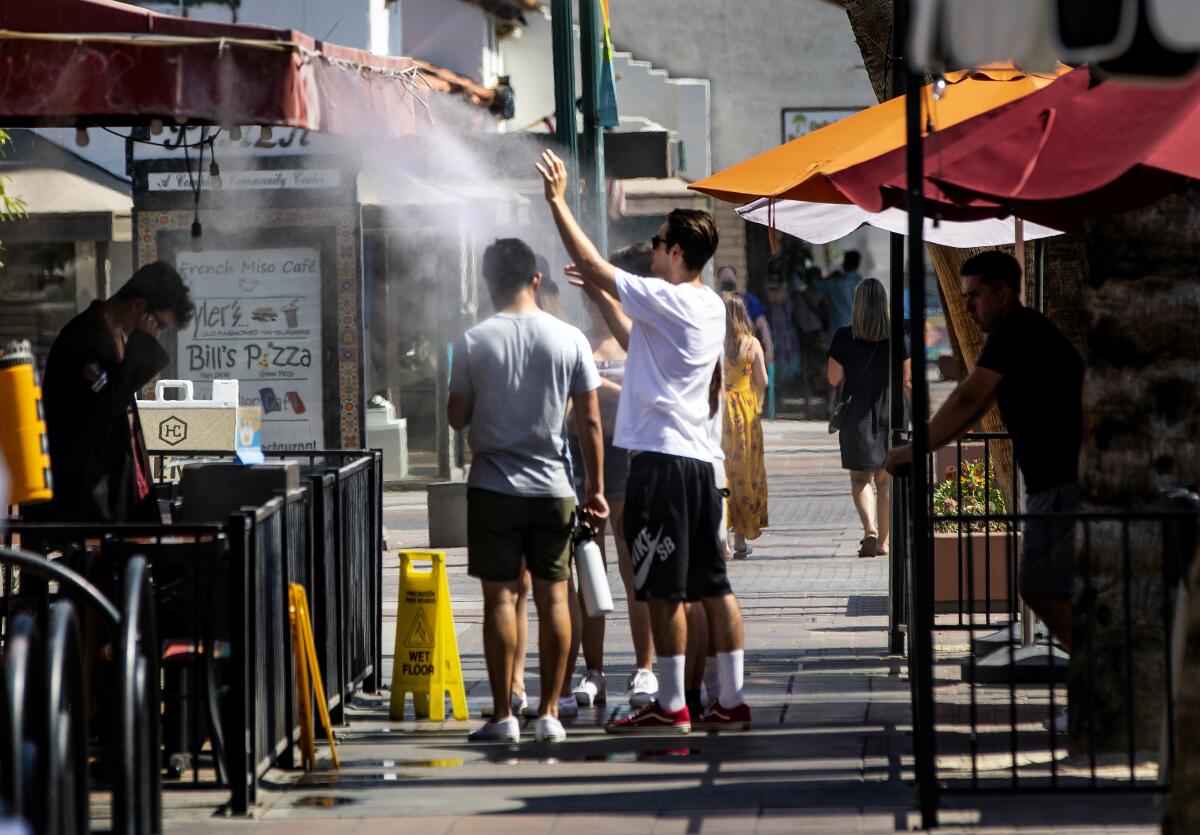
<point x="549" y="729"/>
<point x="519" y="702"/>
<point x="567" y="706"/>
<point x="1057" y="723"/>
<point x="643" y="687"/>
<point x="592" y="689"/>
<point x="507" y="729"/>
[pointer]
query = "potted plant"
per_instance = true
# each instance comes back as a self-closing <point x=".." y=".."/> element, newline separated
<point x="973" y="557"/>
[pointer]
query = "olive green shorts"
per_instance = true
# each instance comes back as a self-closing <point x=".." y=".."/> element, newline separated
<point x="501" y="529"/>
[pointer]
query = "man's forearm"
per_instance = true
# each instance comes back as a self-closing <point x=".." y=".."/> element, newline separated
<point x="618" y="323"/>
<point x="591" y="441"/>
<point x="582" y="251"/>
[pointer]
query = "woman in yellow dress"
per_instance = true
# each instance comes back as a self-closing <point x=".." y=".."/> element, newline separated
<point x="742" y="438"/>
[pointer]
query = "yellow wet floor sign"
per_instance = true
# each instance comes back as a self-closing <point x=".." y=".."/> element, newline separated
<point x="304" y="652"/>
<point x="425" y="661"/>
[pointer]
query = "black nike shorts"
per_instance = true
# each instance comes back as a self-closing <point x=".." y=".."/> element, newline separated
<point x="673" y="528"/>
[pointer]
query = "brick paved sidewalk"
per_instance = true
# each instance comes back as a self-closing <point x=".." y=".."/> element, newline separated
<point x="829" y="751"/>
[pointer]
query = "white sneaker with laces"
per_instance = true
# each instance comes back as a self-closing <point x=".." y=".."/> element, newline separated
<point x="507" y="729"/>
<point x="549" y="729"/>
<point x="643" y="687"/>
<point x="592" y="689"/>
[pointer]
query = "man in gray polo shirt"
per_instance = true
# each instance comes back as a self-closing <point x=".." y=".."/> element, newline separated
<point x="511" y="380"/>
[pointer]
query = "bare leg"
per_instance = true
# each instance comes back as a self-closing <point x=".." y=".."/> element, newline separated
<point x="575" y="614"/>
<point x="554" y="638"/>
<point x="697" y="645"/>
<point x="883" y="509"/>
<point x="593" y="628"/>
<point x="669" y="625"/>
<point x="639" y="614"/>
<point x="522" y="643"/>
<point x="724" y="622"/>
<point x="499" y="640"/>
<point x="863" y="491"/>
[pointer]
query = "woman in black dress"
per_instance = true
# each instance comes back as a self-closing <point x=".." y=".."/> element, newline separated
<point x="858" y="360"/>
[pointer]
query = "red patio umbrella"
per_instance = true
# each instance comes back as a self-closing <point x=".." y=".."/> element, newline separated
<point x="80" y="62"/>
<point x="1075" y="149"/>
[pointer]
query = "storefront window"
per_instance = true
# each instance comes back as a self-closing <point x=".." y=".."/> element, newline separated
<point x="37" y="293"/>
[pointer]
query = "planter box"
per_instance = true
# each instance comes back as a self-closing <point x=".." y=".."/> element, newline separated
<point x="984" y="559"/>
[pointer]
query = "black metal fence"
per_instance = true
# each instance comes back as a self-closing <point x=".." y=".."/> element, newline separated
<point x="1001" y="701"/>
<point x="47" y="681"/>
<point x="220" y="593"/>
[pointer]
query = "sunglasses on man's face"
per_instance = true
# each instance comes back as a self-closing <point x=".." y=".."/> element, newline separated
<point x="655" y="241"/>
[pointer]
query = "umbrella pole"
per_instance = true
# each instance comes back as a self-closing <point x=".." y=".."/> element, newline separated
<point x="898" y="558"/>
<point x="562" y="32"/>
<point x="921" y="627"/>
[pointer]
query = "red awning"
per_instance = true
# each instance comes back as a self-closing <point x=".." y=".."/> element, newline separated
<point x="68" y="62"/>
<point x="1072" y="150"/>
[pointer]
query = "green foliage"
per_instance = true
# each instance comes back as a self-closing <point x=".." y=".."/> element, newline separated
<point x="968" y="492"/>
<point x="12" y="207"/>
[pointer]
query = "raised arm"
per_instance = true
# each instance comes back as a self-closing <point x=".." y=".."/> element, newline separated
<point x="592" y="267"/>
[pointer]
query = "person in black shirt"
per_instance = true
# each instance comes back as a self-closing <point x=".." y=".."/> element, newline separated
<point x="96" y="366"/>
<point x="859" y="363"/>
<point x="1035" y="376"/>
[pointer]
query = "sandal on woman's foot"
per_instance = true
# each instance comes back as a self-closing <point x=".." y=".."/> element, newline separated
<point x="743" y="554"/>
<point x="868" y="545"/>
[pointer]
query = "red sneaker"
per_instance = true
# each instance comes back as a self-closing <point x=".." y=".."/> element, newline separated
<point x="652" y="719"/>
<point x="718" y="718"/>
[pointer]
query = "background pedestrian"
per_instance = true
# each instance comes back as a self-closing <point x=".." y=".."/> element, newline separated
<point x="742" y="438"/>
<point x="858" y="360"/>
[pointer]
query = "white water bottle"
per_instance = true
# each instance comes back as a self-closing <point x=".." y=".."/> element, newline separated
<point x="593" y="579"/>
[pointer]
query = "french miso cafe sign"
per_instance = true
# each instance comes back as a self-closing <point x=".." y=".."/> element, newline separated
<point x="258" y="320"/>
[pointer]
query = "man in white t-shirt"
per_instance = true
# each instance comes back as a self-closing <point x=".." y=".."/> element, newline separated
<point x="669" y="404"/>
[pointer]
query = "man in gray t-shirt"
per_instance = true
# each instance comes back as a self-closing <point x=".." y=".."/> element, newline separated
<point x="511" y="380"/>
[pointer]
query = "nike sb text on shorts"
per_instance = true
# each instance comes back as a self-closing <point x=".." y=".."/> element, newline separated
<point x="673" y="527"/>
<point x="501" y="529"/>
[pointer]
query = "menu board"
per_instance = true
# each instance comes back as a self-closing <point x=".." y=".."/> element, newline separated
<point x="258" y="320"/>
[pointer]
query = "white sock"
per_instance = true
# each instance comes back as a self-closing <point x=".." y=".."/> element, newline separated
<point x="730" y="665"/>
<point x="712" y="676"/>
<point x="670" y="682"/>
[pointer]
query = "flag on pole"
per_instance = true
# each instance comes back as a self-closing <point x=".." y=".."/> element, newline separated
<point x="608" y="82"/>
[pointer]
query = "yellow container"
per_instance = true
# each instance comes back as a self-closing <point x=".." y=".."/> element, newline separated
<point x="23" y="440"/>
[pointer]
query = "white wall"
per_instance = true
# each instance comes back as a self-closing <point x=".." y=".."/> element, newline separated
<point x="452" y="34"/>
<point x="361" y="24"/>
<point x="759" y="56"/>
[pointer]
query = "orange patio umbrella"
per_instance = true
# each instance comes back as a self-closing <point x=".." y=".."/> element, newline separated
<point x="800" y="169"/>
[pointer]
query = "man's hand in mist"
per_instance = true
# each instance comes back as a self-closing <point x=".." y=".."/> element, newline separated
<point x="554" y="175"/>
<point x="575" y="279"/>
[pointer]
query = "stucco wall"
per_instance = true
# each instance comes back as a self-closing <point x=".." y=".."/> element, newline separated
<point x="760" y="56"/>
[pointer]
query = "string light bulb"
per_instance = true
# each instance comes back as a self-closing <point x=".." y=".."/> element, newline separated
<point x="939" y="88"/>
<point x="197" y="236"/>
<point x="214" y="174"/>
<point x="156" y="127"/>
<point x="265" y="133"/>
<point x="81" y="137"/>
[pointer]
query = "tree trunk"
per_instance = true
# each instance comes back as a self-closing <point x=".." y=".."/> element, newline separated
<point x="1141" y="434"/>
